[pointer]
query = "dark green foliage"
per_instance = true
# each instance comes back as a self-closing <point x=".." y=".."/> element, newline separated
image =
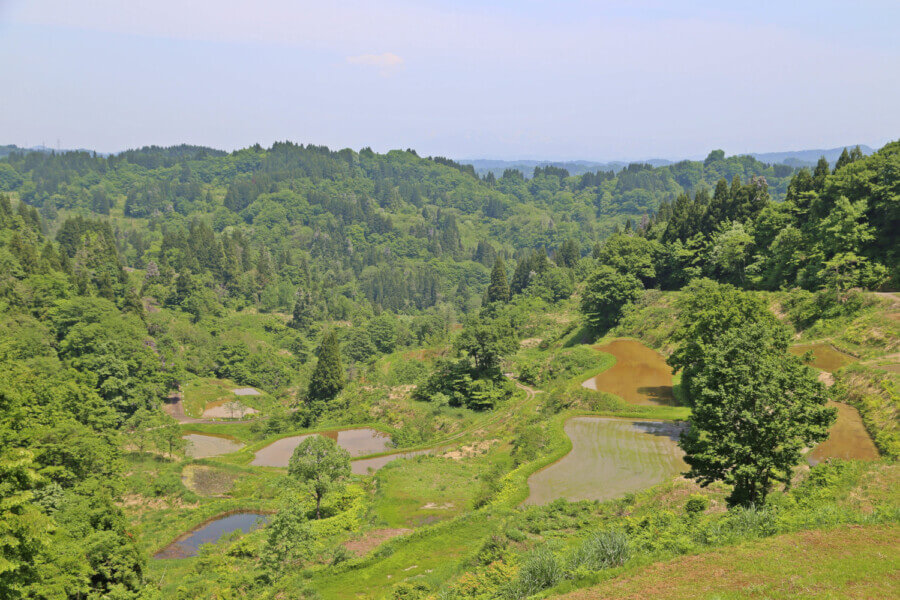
<point x="328" y="377"/>
<point x="754" y="407"/>
<point x="498" y="290"/>
<point x="304" y="313"/>
<point x="606" y="294"/>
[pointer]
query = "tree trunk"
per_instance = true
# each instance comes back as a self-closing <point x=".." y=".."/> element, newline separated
<point x="318" y="503"/>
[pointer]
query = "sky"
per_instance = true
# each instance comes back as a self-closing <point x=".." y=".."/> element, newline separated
<point x="511" y="79"/>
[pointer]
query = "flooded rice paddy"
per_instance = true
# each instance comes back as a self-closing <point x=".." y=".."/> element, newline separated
<point x="640" y="375"/>
<point x="209" y="533"/>
<point x="358" y="442"/>
<point x="610" y="458"/>
<point x="204" y="445"/>
<point x="825" y="356"/>
<point x="848" y="438"/>
<point x="366" y="465"/>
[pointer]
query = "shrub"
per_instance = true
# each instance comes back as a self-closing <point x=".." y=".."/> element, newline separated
<point x="602" y="550"/>
<point x="540" y="569"/>
<point x="696" y="504"/>
<point x="516" y="535"/>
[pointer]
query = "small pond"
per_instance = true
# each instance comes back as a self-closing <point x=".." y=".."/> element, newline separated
<point x="848" y="438"/>
<point x="610" y="458"/>
<point x="358" y="442"/>
<point x="825" y="356"/>
<point x="204" y="445"/>
<point x="189" y="544"/>
<point x="640" y="375"/>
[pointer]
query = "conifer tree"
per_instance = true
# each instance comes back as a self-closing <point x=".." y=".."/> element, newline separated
<point x="521" y="276"/>
<point x="328" y="377"/>
<point x="303" y="317"/>
<point x="820" y="173"/>
<point x="843" y="159"/>
<point x="498" y="290"/>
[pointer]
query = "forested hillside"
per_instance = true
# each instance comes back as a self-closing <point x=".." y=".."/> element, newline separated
<point x="397" y="293"/>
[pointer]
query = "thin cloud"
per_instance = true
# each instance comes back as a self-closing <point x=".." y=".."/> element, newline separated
<point x="386" y="62"/>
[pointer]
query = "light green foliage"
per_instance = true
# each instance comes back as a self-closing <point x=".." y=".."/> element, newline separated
<point x="25" y="532"/>
<point x="486" y="341"/>
<point x="631" y="254"/>
<point x="383" y="332"/>
<point x="606" y="294"/>
<point x="707" y="310"/>
<point x="289" y="537"/>
<point x="320" y="465"/>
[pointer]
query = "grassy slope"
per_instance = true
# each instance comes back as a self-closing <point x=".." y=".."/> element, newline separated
<point x="848" y="562"/>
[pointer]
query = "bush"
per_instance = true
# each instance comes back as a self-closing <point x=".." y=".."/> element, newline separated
<point x="696" y="504"/>
<point x="539" y="570"/>
<point x="602" y="550"/>
<point x="516" y="535"/>
<point x="740" y="524"/>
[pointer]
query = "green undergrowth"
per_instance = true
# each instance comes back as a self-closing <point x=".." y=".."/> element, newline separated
<point x="855" y="322"/>
<point x="423" y="490"/>
<point x="876" y="395"/>
<point x="565" y="546"/>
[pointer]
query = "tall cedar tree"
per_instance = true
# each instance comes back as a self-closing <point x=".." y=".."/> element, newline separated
<point x="328" y="377"/>
<point x="498" y="290"/>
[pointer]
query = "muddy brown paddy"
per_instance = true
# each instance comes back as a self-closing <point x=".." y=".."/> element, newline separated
<point x="610" y="458"/>
<point x="640" y="375"/>
<point x="825" y="356"/>
<point x="848" y="438"/>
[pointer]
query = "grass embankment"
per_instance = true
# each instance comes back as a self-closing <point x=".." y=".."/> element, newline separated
<point x="161" y="507"/>
<point x="846" y="562"/>
<point x="424" y="490"/>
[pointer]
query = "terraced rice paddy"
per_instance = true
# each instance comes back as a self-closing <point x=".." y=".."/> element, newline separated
<point x="640" y="375"/>
<point x="366" y="465"/>
<point x="848" y="438"/>
<point x="358" y="442"/>
<point x="825" y="356"/>
<point x="211" y="532"/>
<point x="204" y="445"/>
<point x="610" y="458"/>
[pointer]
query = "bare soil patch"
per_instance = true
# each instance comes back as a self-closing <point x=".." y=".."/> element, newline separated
<point x="373" y="539"/>
<point x="207" y="481"/>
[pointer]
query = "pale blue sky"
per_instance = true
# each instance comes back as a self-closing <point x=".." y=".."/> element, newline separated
<point x="507" y="79"/>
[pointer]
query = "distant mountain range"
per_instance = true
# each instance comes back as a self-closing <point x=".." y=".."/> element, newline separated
<point x="796" y="158"/>
<point x="807" y="158"/>
<point x="10" y="148"/>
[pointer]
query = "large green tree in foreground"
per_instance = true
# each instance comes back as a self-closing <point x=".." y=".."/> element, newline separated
<point x="321" y="465"/>
<point x="754" y="409"/>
